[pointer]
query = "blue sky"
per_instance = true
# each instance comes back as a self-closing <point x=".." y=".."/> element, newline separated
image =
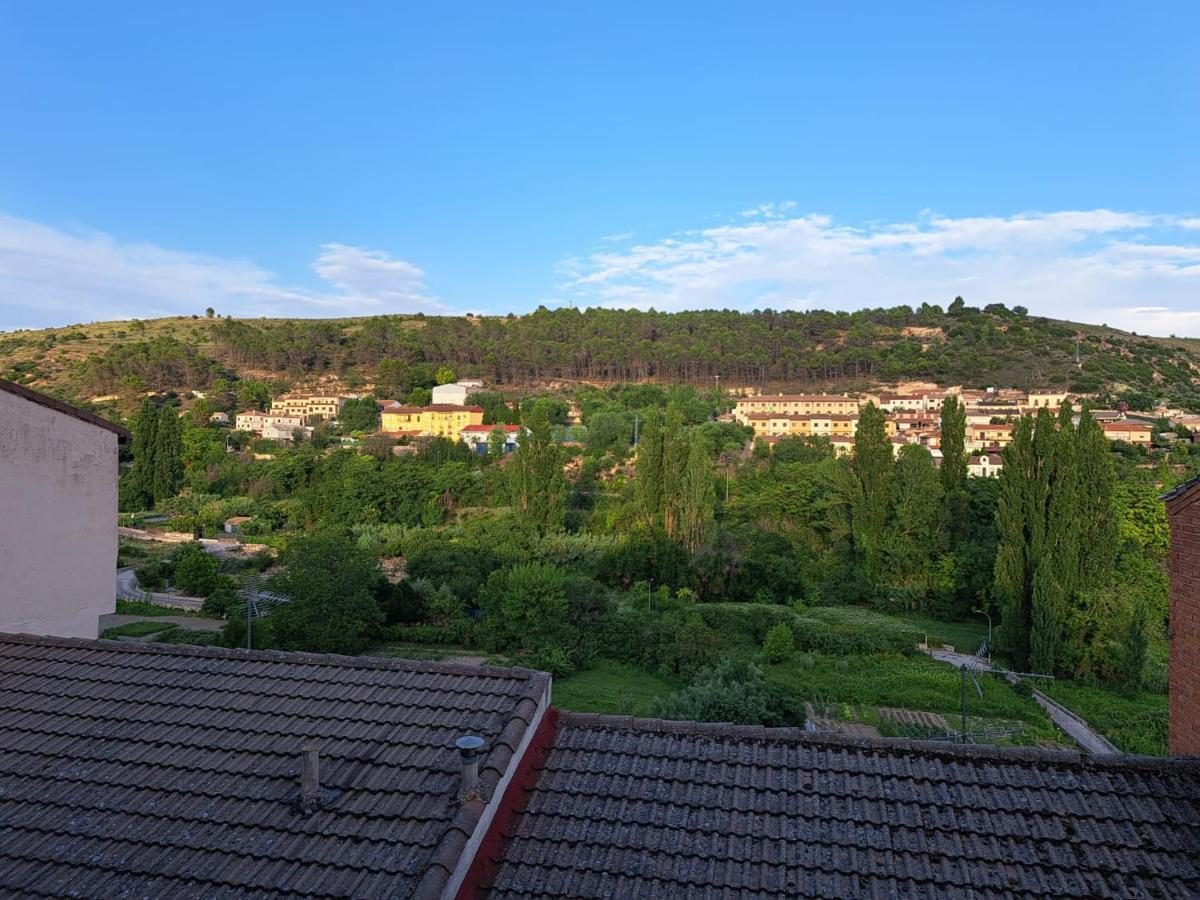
<point x="355" y="158"/>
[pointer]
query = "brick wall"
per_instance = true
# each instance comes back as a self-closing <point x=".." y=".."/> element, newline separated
<point x="1183" y="513"/>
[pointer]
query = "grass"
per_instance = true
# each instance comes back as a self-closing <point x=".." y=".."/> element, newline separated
<point x="1135" y="723"/>
<point x="911" y="682"/>
<point x="137" y="629"/>
<point x="611" y="687"/>
<point x="965" y="636"/>
<point x="142" y="608"/>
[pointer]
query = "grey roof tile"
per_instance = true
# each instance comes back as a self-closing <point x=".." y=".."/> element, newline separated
<point x="152" y="771"/>
<point x="642" y="808"/>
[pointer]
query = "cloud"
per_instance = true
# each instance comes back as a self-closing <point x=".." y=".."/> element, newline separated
<point x="50" y="276"/>
<point x="1132" y="270"/>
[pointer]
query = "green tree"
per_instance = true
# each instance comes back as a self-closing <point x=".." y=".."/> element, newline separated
<point x="1136" y="647"/>
<point x="536" y="481"/>
<point x="196" y="571"/>
<point x="697" y="496"/>
<point x="1015" y="527"/>
<point x="871" y="467"/>
<point x="732" y="691"/>
<point x="167" y="455"/>
<point x="141" y="476"/>
<point x="445" y="375"/>
<point x="527" y="606"/>
<point x="496" y="441"/>
<point x="954" y="465"/>
<point x="779" y="643"/>
<point x="332" y="585"/>
<point x="359" y="415"/>
<point x="917" y="526"/>
<point x="648" y="474"/>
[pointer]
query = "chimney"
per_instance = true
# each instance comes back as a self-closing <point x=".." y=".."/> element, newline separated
<point x="469" y="747"/>
<point x="1183" y="632"/>
<point x="310" y="778"/>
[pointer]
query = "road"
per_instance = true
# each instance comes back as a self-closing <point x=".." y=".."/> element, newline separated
<point x="1079" y="730"/>
<point x="127" y="589"/>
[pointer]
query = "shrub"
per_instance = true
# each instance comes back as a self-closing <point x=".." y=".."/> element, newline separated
<point x="152" y="574"/>
<point x="733" y="691"/>
<point x="779" y="644"/>
<point x="746" y="623"/>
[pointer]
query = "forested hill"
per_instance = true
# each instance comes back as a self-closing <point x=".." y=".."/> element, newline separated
<point x="961" y="345"/>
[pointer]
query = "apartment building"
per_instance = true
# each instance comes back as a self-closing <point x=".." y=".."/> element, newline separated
<point x="796" y="404"/>
<point x="980" y="437"/>
<point x="319" y="407"/>
<point x="436" y="420"/>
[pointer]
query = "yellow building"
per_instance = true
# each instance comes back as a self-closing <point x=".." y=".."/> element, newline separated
<point x="437" y="420"/>
<point x="1131" y="432"/>
<point x="774" y="424"/>
<point x="796" y="404"/>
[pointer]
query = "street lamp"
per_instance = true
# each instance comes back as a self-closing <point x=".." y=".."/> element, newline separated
<point x="989" y="618"/>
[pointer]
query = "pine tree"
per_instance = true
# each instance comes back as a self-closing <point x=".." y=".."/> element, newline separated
<point x="954" y="466"/>
<point x="145" y="424"/>
<point x="168" y="455"/>
<point x="871" y="466"/>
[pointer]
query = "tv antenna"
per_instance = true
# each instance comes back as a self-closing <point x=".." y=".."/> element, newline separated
<point x="971" y="669"/>
<point x="257" y="601"/>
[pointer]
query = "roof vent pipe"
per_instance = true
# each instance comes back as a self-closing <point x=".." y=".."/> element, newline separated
<point x="310" y="777"/>
<point x="469" y="747"/>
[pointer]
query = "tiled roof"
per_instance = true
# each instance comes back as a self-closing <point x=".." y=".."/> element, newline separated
<point x="154" y="771"/>
<point x="650" y="809"/>
<point x="433" y="407"/>
<point x="19" y="390"/>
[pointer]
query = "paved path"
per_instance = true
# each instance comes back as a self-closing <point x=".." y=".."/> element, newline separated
<point x="194" y="623"/>
<point x="1079" y="730"/>
<point x="127" y="589"/>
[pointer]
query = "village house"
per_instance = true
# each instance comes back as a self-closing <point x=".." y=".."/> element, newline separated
<point x="255" y="422"/>
<point x="436" y="420"/>
<point x="982" y="437"/>
<point x="985" y="465"/>
<point x="1050" y="400"/>
<point x="479" y="437"/>
<point x="58" y="532"/>
<point x="1130" y="432"/>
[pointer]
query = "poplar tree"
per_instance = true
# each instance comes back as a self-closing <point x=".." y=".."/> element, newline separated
<point x="954" y="465"/>
<point x="871" y="468"/>
<point x="1013" y="583"/>
<point x="537" y="483"/>
<point x="698" y="496"/>
<point x="648" y="474"/>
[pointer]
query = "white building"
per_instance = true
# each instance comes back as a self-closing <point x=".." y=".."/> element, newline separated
<point x="478" y="437"/>
<point x="58" y="530"/>
<point x="985" y="465"/>
<point x="320" y="407"/>
<point x="455" y="393"/>
<point x="257" y="422"/>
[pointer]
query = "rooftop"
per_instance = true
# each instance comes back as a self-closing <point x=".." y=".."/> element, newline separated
<point x="649" y="809"/>
<point x="156" y="770"/>
<point x="19" y="390"/>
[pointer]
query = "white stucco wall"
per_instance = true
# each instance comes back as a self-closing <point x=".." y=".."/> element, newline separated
<point x="58" y="534"/>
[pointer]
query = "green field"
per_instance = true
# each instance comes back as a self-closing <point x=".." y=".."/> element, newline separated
<point x="610" y="687"/>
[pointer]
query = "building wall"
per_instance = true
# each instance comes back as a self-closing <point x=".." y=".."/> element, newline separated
<point x="1184" y="680"/>
<point x="58" y="530"/>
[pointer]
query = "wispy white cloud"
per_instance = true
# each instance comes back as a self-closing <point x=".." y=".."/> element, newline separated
<point x="1098" y="266"/>
<point x="54" y="276"/>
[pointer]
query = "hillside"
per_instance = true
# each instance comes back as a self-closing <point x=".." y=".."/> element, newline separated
<point x="998" y="347"/>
